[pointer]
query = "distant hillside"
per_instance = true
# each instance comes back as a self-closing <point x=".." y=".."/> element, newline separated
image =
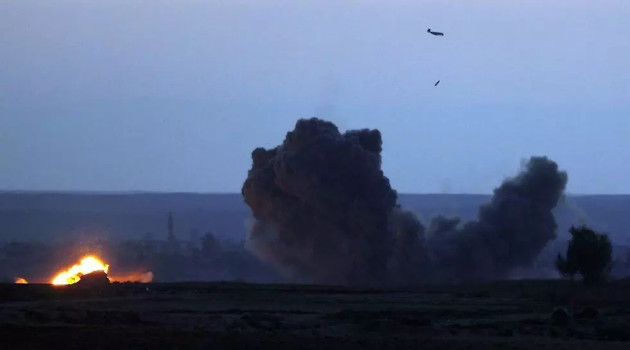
<point x="46" y="216"/>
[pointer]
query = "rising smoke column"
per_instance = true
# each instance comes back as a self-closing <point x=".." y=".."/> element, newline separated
<point x="325" y="213"/>
<point x="509" y="232"/>
<point x="322" y="205"/>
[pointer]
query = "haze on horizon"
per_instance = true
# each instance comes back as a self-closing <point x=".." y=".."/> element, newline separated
<point x="174" y="95"/>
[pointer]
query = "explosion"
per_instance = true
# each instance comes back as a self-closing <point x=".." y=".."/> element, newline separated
<point x="322" y="204"/>
<point x="509" y="232"/>
<point x="73" y="275"/>
<point x="324" y="212"/>
<point x="90" y="264"/>
<point x="20" y="280"/>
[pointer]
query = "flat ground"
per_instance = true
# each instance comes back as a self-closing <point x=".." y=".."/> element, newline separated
<point x="503" y="315"/>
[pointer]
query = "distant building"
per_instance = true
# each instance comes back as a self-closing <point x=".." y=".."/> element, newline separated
<point x="172" y="245"/>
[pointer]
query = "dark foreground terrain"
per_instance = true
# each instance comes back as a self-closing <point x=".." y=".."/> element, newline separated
<point x="503" y="315"/>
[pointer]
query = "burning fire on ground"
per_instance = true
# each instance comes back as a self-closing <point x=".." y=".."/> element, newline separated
<point x="20" y="280"/>
<point x="73" y="275"/>
<point x="90" y="264"/>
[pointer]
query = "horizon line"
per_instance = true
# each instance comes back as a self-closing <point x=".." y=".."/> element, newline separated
<point x="156" y="192"/>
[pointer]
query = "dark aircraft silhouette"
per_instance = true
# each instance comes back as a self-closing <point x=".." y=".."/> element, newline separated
<point x="435" y="33"/>
<point x="436" y="83"/>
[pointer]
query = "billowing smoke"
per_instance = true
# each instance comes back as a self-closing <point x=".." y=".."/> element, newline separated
<point x="408" y="262"/>
<point x="325" y="213"/>
<point x="509" y="231"/>
<point x="322" y="204"/>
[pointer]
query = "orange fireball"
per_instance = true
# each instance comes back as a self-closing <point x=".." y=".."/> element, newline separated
<point x="72" y="275"/>
<point x="20" y="280"/>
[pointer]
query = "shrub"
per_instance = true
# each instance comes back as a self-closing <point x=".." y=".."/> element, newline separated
<point x="589" y="253"/>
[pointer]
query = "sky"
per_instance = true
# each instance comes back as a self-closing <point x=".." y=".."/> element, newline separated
<point x="155" y="95"/>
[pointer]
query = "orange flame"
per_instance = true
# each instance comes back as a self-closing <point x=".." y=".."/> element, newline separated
<point x="20" y="280"/>
<point x="73" y="275"/>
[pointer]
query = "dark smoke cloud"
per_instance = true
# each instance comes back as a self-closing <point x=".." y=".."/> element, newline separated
<point x="408" y="262"/>
<point x="322" y="204"/>
<point x="509" y="232"/>
<point x="325" y="213"/>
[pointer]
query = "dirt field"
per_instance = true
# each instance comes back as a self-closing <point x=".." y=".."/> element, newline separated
<point x="505" y="315"/>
